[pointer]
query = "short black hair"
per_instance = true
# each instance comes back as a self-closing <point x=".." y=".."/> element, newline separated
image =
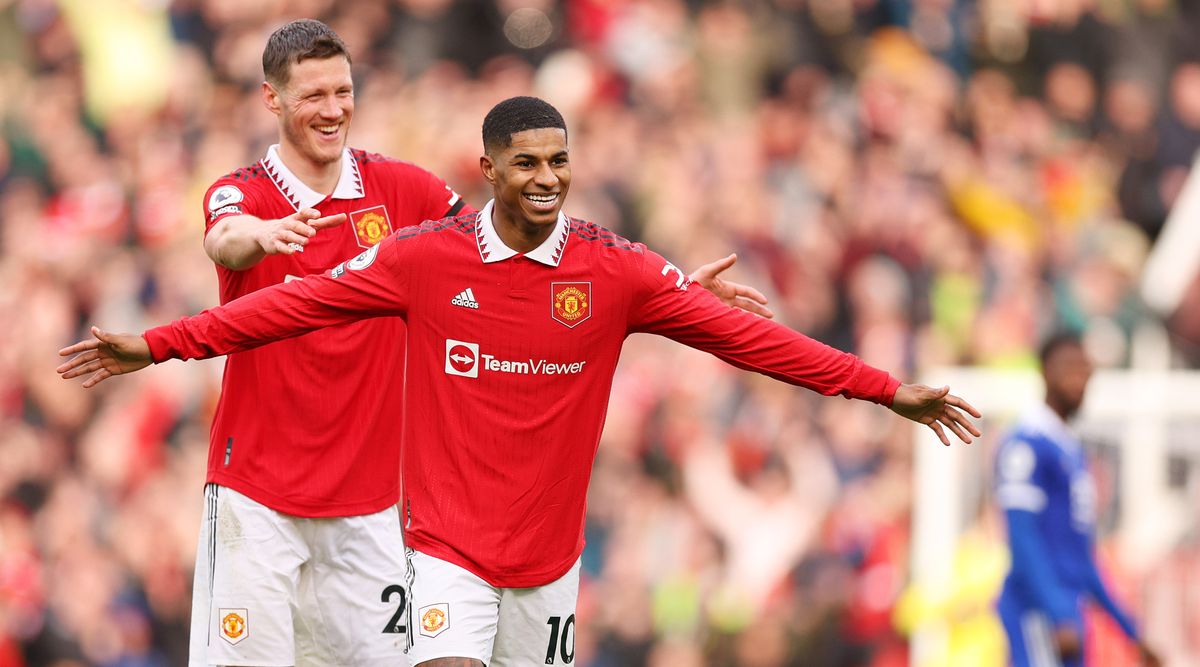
<point x="1056" y="340"/>
<point x="517" y="114"/>
<point x="296" y="41"/>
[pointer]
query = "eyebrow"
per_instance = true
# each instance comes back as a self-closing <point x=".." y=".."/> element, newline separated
<point x="530" y="156"/>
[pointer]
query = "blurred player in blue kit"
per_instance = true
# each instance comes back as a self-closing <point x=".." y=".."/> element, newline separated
<point x="1049" y="503"/>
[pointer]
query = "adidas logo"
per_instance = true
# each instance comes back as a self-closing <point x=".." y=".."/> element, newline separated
<point x="466" y="299"/>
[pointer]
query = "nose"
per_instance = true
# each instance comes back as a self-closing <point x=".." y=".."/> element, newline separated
<point x="545" y="176"/>
<point x="330" y="108"/>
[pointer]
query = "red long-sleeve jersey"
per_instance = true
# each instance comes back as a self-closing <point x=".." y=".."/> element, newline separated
<point x="308" y="427"/>
<point x="511" y="359"/>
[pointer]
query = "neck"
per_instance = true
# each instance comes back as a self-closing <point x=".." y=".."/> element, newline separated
<point x="518" y="233"/>
<point x="1063" y="411"/>
<point x="321" y="177"/>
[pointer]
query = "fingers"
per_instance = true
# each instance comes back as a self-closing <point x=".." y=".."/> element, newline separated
<point x="754" y="307"/>
<point x="77" y="361"/>
<point x="941" y="434"/>
<point x="82" y="369"/>
<point x="79" y="347"/>
<point x="294" y="231"/>
<point x="100" y="376"/>
<point x="713" y="269"/>
<point x="328" y="221"/>
<point x="956" y="428"/>
<point x="963" y="421"/>
<point x="958" y="402"/>
<point x="747" y="292"/>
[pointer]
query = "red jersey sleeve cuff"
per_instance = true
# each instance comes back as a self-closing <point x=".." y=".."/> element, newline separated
<point x="875" y="385"/>
<point x="161" y="342"/>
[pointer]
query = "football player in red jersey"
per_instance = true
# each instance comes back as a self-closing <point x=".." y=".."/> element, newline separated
<point x="516" y="319"/>
<point x="300" y="559"/>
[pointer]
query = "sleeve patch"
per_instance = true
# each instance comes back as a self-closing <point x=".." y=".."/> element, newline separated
<point x="1017" y="462"/>
<point x="224" y="210"/>
<point x="224" y="196"/>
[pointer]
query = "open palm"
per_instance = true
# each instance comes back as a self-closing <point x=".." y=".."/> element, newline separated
<point x="938" y="409"/>
<point x="104" y="356"/>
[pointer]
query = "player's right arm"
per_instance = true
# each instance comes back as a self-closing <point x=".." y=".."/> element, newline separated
<point x="238" y="242"/>
<point x="236" y="238"/>
<point x="373" y="284"/>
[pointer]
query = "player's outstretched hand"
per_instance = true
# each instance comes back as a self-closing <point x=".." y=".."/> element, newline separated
<point x="106" y="355"/>
<point x="936" y="408"/>
<point x="733" y="294"/>
<point x="288" y="235"/>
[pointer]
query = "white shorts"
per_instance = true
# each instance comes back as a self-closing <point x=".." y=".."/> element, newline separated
<point x="274" y="590"/>
<point x="457" y="614"/>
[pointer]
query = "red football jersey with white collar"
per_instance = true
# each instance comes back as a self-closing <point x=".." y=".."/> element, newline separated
<point x="511" y="360"/>
<point x="312" y="426"/>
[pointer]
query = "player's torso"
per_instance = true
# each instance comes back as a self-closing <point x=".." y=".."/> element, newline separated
<point x="1069" y="520"/>
<point x="521" y="325"/>
<point x="312" y="425"/>
<point x="510" y="367"/>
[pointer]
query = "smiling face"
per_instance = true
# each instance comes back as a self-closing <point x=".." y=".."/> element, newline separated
<point x="314" y="108"/>
<point x="530" y="178"/>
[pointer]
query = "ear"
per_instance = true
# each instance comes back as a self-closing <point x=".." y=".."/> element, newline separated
<point x="488" y="168"/>
<point x="270" y="98"/>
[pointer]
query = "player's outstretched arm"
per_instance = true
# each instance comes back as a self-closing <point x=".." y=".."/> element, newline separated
<point x="733" y="294"/>
<point x="938" y="409"/>
<point x="239" y="242"/>
<point x="106" y="355"/>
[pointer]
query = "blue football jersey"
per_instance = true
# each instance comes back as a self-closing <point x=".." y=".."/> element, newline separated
<point x="1049" y="499"/>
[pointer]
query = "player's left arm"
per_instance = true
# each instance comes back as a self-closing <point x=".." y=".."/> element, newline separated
<point x="665" y="302"/>
<point x="1103" y="597"/>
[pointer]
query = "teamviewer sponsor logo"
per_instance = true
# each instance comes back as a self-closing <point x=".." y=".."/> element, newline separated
<point x="462" y="358"/>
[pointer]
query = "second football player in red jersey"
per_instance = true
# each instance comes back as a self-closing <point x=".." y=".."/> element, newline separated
<point x="516" y="319"/>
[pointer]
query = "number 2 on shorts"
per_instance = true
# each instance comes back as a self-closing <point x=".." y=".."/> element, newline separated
<point x="394" y="626"/>
<point x="567" y="646"/>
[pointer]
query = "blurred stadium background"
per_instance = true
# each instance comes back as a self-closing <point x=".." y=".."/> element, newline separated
<point x="932" y="184"/>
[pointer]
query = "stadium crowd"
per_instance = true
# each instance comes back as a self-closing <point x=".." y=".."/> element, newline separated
<point x="921" y="182"/>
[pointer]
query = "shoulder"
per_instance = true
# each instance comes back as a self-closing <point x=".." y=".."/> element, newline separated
<point x="1017" y="457"/>
<point x="375" y="162"/>
<point x="229" y="192"/>
<point x="248" y="175"/>
<point x="241" y="181"/>
<point x="590" y="232"/>
<point x="450" y="228"/>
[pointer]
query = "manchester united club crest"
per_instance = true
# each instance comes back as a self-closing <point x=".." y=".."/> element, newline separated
<point x="570" y="303"/>
<point x="371" y="225"/>
<point x="235" y="625"/>
<point x="435" y="619"/>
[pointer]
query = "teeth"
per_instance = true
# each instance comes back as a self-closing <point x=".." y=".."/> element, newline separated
<point x="541" y="199"/>
<point x="327" y="128"/>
